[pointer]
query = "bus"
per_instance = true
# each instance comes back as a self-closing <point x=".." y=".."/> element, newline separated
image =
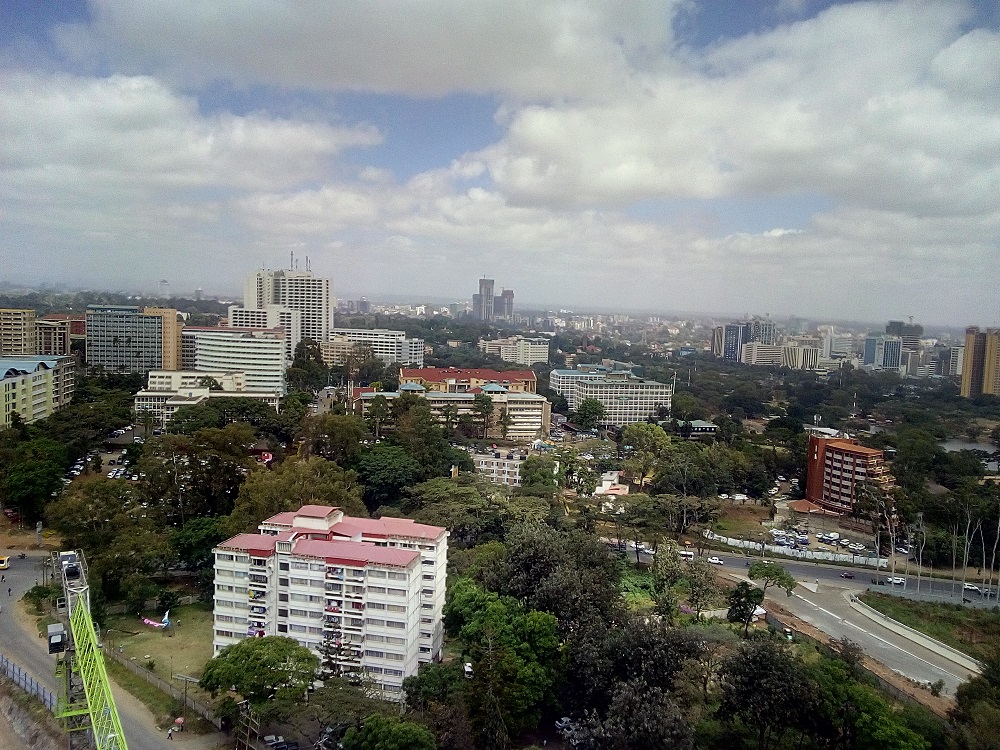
<point x="686" y="554"/>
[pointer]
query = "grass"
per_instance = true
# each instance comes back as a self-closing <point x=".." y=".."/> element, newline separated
<point x="163" y="707"/>
<point x="972" y="631"/>
<point x="183" y="649"/>
<point x="736" y="520"/>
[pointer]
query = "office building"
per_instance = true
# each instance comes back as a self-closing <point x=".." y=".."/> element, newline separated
<point x="464" y="379"/>
<point x="503" y="305"/>
<point x="955" y="360"/>
<point x="17" y="332"/>
<point x="52" y="337"/>
<point x="365" y="595"/>
<point x="626" y="398"/>
<point x="500" y="467"/>
<point x="910" y="333"/>
<point x="269" y="317"/>
<point x="734" y="336"/>
<point x="258" y="353"/>
<point x="130" y="339"/>
<point x="883" y="352"/>
<point x="34" y="387"/>
<point x="518" y="349"/>
<point x="392" y="347"/>
<point x="762" y="332"/>
<point x="482" y="303"/>
<point x="800" y="357"/>
<point x="168" y="390"/>
<point x="527" y="415"/>
<point x="718" y="339"/>
<point x="837" y="468"/>
<point x="762" y="355"/>
<point x="296" y="290"/>
<point x="981" y="362"/>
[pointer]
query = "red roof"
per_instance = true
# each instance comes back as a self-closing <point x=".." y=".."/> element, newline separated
<point x="260" y="544"/>
<point x="354" y="553"/>
<point x="441" y="374"/>
<point x="386" y="527"/>
<point x="316" y="511"/>
<point x="285" y="518"/>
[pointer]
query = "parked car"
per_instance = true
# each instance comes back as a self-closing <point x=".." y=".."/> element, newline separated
<point x="971" y="587"/>
<point x="896" y="580"/>
<point x="847" y="575"/>
<point x="713" y="560"/>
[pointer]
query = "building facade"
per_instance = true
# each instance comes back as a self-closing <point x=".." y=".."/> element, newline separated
<point x="981" y="362"/>
<point x="53" y="337"/>
<point x="258" y="353"/>
<point x="520" y="350"/>
<point x="34" y="387"/>
<point x="626" y="398"/>
<point x="269" y="317"/>
<point x="836" y="469"/>
<point x="169" y="390"/>
<point x="482" y="303"/>
<point x="463" y="379"/>
<point x="17" y="332"/>
<point x="296" y="290"/>
<point x="764" y="355"/>
<point x="130" y="339"/>
<point x="392" y="347"/>
<point x="500" y="467"/>
<point x="366" y="595"/>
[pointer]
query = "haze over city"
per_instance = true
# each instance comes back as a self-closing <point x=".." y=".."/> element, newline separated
<point x="817" y="158"/>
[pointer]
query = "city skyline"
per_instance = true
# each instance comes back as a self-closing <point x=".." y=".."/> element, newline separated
<point x="807" y="157"/>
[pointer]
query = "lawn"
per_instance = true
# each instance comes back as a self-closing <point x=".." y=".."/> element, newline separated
<point x="972" y="631"/>
<point x="183" y="649"/>
<point x="741" y="520"/>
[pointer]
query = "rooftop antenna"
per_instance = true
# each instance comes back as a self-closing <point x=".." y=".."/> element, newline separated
<point x="291" y="260"/>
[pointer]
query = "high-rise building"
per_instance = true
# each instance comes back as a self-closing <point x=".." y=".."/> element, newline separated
<point x="364" y="306"/>
<point x="364" y="594"/>
<point x="271" y="316"/>
<point x="910" y="333"/>
<point x="295" y="290"/>
<point x="518" y="349"/>
<point x="503" y="305"/>
<point x="256" y="352"/>
<point x="734" y="336"/>
<point x="718" y="338"/>
<point x="34" y="387"/>
<point x="52" y="337"/>
<point x="130" y="339"/>
<point x="761" y="332"/>
<point x="482" y="303"/>
<point x="626" y="397"/>
<point x="883" y="352"/>
<point x="392" y="347"/>
<point x="17" y="332"/>
<point x="981" y="362"/>
<point x="170" y="390"/>
<point x="837" y="468"/>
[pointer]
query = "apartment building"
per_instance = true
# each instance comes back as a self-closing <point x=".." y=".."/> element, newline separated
<point x="167" y="391"/>
<point x="500" y="467"/>
<point x="270" y="317"/>
<point x="392" y="347"/>
<point x="528" y="415"/>
<point x="369" y="593"/>
<point x="295" y="290"/>
<point x="981" y="362"/>
<point x="258" y="353"/>
<point x="53" y="337"/>
<point x="520" y="350"/>
<point x="463" y="379"/>
<point x="837" y="467"/>
<point x="34" y="387"/>
<point x="132" y="339"/>
<point x="17" y="332"/>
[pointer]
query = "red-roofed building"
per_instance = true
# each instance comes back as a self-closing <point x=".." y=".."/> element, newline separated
<point x="464" y="379"/>
<point x="373" y="588"/>
<point x="837" y="467"/>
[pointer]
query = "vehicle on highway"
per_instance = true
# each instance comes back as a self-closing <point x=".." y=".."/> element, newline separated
<point x="713" y="560"/>
<point x="971" y="587"/>
<point x="847" y="575"/>
<point x="686" y="554"/>
<point x="896" y="580"/>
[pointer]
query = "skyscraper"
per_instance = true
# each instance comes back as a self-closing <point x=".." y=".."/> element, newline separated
<point x="981" y="365"/>
<point x="295" y="290"/>
<point x="130" y="339"/>
<point x="482" y="303"/>
<point x="503" y="305"/>
<point x="734" y="336"/>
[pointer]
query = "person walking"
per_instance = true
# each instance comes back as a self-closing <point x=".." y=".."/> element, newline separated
<point x="8" y="591"/>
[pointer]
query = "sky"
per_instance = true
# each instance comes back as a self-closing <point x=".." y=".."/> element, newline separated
<point x="837" y="159"/>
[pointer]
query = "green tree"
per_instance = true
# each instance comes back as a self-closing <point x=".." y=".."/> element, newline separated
<point x="389" y="733"/>
<point x="482" y="407"/>
<point x="589" y="413"/>
<point x="772" y="574"/>
<point x="539" y="471"/>
<point x="33" y="476"/>
<point x="377" y="414"/>
<point x="702" y="588"/>
<point x="261" y="669"/>
<point x="639" y="717"/>
<point x="743" y="602"/>
<point x="193" y="542"/>
<point x="335" y="437"/>
<point x="420" y="435"/>
<point x="449" y="416"/>
<point x="504" y="422"/>
<point x="385" y="470"/>
<point x="289" y="486"/>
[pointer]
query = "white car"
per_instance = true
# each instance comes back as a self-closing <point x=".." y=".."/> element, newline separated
<point x="896" y="581"/>
<point x="723" y="496"/>
<point x="971" y="587"/>
<point x="713" y="560"/>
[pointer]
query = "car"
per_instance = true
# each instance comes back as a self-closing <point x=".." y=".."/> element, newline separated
<point x="713" y="560"/>
<point x="847" y="575"/>
<point x="4" y="562"/>
<point x="781" y="478"/>
<point x="723" y="496"/>
<point x="896" y="580"/>
<point x="971" y="587"/>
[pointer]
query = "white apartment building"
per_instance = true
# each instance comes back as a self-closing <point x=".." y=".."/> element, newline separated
<point x="500" y="467"/>
<point x="764" y="355"/>
<point x="258" y="353"/>
<point x="392" y="347"/>
<point x="518" y="349"/>
<point x="564" y="382"/>
<point x="626" y="398"/>
<point x="271" y="316"/>
<point x="168" y="390"/>
<point x="295" y="290"/>
<point x="370" y="591"/>
<point x="35" y="387"/>
<point x="529" y="414"/>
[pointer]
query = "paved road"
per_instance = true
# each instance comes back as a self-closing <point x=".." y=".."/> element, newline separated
<point x="31" y="653"/>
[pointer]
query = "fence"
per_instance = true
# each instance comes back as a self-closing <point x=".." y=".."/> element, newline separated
<point x="178" y="694"/>
<point x="27" y="683"/>
<point x="800" y="554"/>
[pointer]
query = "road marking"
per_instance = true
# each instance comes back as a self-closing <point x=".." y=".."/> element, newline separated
<point x="879" y="638"/>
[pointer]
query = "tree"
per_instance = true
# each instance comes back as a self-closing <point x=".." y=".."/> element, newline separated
<point x="289" y="486"/>
<point x="389" y="733"/>
<point x="338" y="705"/>
<point x="772" y="574"/>
<point x="385" y="470"/>
<point x="33" y="476"/>
<point x="482" y="407"/>
<point x="505" y="421"/>
<point x="539" y="471"/>
<point x="639" y="717"/>
<point x="420" y="435"/>
<point x="589" y="413"/>
<point x="193" y="542"/>
<point x="377" y="414"/>
<point x="261" y="668"/>
<point x="743" y="602"/>
<point x="335" y="437"/>
<point x="701" y="585"/>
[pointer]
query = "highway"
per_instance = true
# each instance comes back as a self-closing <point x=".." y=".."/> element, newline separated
<point x="21" y="644"/>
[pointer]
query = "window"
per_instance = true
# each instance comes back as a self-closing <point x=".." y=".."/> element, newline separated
<point x="376" y="589"/>
<point x="395" y="641"/>
<point x="300" y="581"/>
<point x="224" y="556"/>
<point x="282" y="613"/>
<point x="357" y="573"/>
<point x="376" y="574"/>
<point x="374" y="622"/>
<point x="390" y="656"/>
<point x="397" y="592"/>
<point x="282" y="628"/>
<point x="393" y="672"/>
<point x="224" y="633"/>
<point x="376" y="638"/>
<point x="282" y="597"/>
<point x="374" y="654"/>
<point x="375" y="605"/>
<point x="298" y="612"/>
<point x="428" y="577"/>
<point x="223" y="618"/>
<point x="282" y="566"/>
<point x="283" y="582"/>
<point x="424" y="650"/>
<point x="396" y="608"/>
<point x="396" y="576"/>
<point x="297" y="628"/>
<point x="296" y="565"/>
<point x="299" y="598"/>
<point x="395" y="624"/>
<point x="221" y="587"/>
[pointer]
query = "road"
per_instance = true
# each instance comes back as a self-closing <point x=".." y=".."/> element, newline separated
<point x="22" y="645"/>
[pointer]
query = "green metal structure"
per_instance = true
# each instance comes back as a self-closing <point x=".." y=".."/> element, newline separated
<point x="86" y="705"/>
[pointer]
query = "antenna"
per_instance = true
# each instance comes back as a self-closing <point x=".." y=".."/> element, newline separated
<point x="291" y="260"/>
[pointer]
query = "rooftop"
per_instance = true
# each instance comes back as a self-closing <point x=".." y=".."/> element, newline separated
<point x="444" y="374"/>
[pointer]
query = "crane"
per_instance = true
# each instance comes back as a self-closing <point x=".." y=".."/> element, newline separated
<point x="86" y="705"/>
